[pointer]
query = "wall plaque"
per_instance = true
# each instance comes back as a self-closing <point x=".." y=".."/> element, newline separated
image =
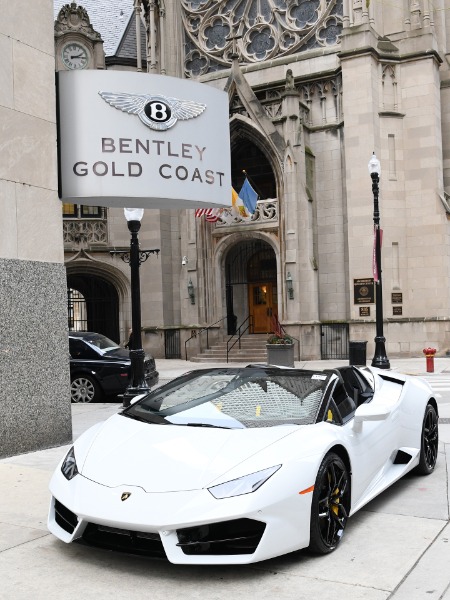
<point x="364" y="311"/>
<point x="397" y="310"/>
<point x="363" y="291"/>
<point x="397" y="297"/>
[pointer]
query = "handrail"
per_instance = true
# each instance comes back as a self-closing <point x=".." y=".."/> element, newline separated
<point x="249" y="326"/>
<point x="207" y="328"/>
<point x="280" y="331"/>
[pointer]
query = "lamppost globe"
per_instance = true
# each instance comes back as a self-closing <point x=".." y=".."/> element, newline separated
<point x="374" y="165"/>
<point x="133" y="214"/>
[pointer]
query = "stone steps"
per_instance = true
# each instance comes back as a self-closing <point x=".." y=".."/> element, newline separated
<point x="253" y="349"/>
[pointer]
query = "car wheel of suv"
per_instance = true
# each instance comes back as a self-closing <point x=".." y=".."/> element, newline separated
<point x="84" y="388"/>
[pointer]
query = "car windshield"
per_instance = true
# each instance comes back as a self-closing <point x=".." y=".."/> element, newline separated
<point x="100" y="342"/>
<point x="235" y="398"/>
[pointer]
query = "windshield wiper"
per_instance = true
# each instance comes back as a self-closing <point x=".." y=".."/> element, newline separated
<point x="203" y="425"/>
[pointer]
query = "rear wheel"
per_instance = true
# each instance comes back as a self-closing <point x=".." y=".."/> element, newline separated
<point x="429" y="443"/>
<point x="330" y="505"/>
<point x="84" y="388"/>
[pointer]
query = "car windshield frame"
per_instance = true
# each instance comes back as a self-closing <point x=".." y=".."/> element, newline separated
<point x="235" y="398"/>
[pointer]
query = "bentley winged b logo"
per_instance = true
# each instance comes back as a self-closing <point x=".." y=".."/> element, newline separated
<point x="125" y="496"/>
<point x="155" y="111"/>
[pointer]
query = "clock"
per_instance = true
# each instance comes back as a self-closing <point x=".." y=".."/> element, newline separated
<point x="75" y="56"/>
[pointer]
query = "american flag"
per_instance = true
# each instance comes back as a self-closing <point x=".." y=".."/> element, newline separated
<point x="211" y="214"/>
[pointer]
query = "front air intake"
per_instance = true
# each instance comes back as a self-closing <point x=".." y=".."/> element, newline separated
<point x="65" y="518"/>
<point x="240" y="536"/>
<point x="124" y="540"/>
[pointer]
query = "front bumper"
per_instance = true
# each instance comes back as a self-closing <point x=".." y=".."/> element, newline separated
<point x="189" y="527"/>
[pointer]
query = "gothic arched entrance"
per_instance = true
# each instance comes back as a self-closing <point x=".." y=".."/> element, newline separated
<point x="93" y="305"/>
<point x="251" y="285"/>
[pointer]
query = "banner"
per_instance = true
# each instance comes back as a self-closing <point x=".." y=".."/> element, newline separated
<point x="375" y="267"/>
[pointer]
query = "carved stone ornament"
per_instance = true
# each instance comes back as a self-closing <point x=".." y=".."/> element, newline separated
<point x="255" y="30"/>
<point x="72" y="18"/>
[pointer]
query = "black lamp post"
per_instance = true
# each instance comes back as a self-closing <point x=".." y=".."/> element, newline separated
<point x="380" y="358"/>
<point x="134" y="257"/>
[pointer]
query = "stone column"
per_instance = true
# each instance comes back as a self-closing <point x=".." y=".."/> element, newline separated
<point x="296" y="211"/>
<point x="34" y="368"/>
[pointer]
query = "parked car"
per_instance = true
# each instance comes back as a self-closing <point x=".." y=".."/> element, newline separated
<point x="99" y="367"/>
<point x="238" y="465"/>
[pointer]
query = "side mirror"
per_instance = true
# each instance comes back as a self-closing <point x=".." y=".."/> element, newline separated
<point x="370" y="412"/>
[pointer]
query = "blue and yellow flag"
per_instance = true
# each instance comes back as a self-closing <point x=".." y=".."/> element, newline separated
<point x="248" y="196"/>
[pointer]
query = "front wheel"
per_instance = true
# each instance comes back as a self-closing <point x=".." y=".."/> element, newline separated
<point x="84" y="389"/>
<point x="330" y="505"/>
<point x="429" y="442"/>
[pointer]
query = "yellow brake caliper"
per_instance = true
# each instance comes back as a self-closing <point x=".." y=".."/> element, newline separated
<point x="335" y="507"/>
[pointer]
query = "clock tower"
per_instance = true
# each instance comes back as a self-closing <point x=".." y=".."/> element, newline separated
<point x="77" y="44"/>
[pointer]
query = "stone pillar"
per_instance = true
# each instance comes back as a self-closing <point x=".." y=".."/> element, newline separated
<point x="35" y="407"/>
<point x="297" y="212"/>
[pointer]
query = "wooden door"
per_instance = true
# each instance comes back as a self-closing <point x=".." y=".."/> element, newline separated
<point x="263" y="306"/>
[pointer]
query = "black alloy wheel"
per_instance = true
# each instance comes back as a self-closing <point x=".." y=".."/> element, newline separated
<point x="330" y="505"/>
<point x="84" y="388"/>
<point x="429" y="442"/>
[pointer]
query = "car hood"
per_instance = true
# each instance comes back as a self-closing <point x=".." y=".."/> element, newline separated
<point x="166" y="458"/>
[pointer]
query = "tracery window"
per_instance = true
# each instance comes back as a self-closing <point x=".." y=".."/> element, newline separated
<point x="256" y="30"/>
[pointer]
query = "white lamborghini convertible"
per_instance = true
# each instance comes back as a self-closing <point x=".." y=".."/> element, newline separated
<point x="237" y="465"/>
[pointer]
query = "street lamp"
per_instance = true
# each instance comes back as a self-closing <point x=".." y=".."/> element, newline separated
<point x="134" y="257"/>
<point x="380" y="358"/>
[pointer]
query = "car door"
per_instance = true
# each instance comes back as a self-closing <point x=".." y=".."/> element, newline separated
<point x="374" y="443"/>
<point x="84" y="359"/>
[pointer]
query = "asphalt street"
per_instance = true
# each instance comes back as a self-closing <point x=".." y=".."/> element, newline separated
<point x="396" y="548"/>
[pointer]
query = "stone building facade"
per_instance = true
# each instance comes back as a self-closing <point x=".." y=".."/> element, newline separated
<point x="315" y="87"/>
<point x="34" y="366"/>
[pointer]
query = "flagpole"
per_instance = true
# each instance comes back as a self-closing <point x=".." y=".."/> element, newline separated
<point x="252" y="183"/>
<point x="380" y="358"/>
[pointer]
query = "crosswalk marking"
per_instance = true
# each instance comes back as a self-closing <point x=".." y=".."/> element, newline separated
<point x="438" y="383"/>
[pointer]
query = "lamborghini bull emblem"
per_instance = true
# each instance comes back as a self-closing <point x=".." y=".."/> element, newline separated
<point x="125" y="496"/>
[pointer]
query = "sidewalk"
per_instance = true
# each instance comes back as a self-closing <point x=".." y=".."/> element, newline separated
<point x="170" y="368"/>
<point x="396" y="548"/>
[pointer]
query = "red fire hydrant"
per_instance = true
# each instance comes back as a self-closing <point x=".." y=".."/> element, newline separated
<point x="429" y="355"/>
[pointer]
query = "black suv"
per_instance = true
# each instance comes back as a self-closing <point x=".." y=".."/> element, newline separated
<point x="99" y="367"/>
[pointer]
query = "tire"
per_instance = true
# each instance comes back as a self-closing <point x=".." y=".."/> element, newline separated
<point x="330" y="505"/>
<point x="429" y="442"/>
<point x="84" y="388"/>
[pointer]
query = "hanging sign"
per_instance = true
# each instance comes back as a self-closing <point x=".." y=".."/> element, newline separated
<point x="147" y="141"/>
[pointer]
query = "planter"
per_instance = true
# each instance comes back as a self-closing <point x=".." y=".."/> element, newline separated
<point x="281" y="355"/>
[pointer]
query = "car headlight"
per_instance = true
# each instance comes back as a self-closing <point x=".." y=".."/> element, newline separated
<point x="69" y="466"/>
<point x="242" y="485"/>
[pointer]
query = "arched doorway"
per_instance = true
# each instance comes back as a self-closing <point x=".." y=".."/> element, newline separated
<point x="251" y="285"/>
<point x="93" y="305"/>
